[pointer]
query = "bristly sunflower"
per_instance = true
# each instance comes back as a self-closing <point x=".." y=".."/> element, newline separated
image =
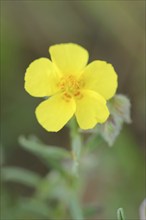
<point x="72" y="87"/>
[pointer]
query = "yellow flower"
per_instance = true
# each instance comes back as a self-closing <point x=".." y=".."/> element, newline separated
<point x="73" y="87"/>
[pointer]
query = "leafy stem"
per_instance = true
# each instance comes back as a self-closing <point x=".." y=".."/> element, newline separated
<point x="76" y="144"/>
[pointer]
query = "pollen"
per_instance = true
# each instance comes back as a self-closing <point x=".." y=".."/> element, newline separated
<point x="70" y="87"/>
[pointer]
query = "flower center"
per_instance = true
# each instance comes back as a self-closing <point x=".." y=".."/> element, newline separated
<point x="70" y="87"/>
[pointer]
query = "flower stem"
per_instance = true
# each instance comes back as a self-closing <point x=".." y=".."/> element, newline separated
<point x="75" y="208"/>
<point x="76" y="144"/>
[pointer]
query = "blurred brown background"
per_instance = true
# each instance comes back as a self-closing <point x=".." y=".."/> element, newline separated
<point x="110" y="30"/>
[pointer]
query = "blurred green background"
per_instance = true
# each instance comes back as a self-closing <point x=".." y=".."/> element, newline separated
<point x="110" y="30"/>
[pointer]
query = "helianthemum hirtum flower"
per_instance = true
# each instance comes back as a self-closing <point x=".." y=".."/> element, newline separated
<point x="72" y="87"/>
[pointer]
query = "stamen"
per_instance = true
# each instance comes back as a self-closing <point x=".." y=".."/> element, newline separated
<point x="70" y="87"/>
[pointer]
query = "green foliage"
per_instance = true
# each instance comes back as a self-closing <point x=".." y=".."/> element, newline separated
<point x="120" y="214"/>
<point x="120" y="111"/>
<point x="56" y="194"/>
<point x="120" y="106"/>
<point x="43" y="151"/>
<point x="20" y="175"/>
<point x="50" y="155"/>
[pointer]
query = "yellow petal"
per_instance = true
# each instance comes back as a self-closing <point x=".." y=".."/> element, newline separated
<point x="41" y="78"/>
<point x="55" y="112"/>
<point x="101" y="77"/>
<point x="91" y="109"/>
<point x="69" y="58"/>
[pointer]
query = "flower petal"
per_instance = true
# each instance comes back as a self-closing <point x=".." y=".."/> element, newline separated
<point x="101" y="77"/>
<point x="91" y="109"/>
<point x="69" y="58"/>
<point x="41" y="78"/>
<point x="55" y="112"/>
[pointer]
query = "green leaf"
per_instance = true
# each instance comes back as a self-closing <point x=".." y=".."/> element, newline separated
<point x="111" y="129"/>
<point x="50" y="155"/>
<point x="53" y="186"/>
<point x="20" y="175"/>
<point x="27" y="209"/>
<point x="35" y="208"/>
<point x="43" y="151"/>
<point x="120" y="214"/>
<point x="120" y="106"/>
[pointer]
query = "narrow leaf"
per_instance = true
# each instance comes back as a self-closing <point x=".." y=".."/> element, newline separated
<point x="42" y="150"/>
<point x="49" y="155"/>
<point x="120" y="214"/>
<point x="20" y="175"/>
